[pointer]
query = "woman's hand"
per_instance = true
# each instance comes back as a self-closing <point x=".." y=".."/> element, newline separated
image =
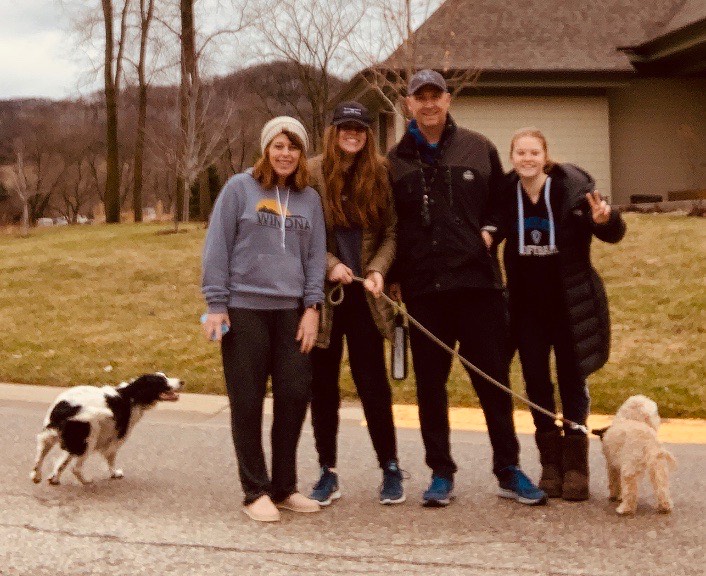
<point x="374" y="283"/>
<point x="341" y="273"/>
<point x="600" y="209"/>
<point x="308" y="328"/>
<point x="212" y="328"/>
<point x="396" y="292"/>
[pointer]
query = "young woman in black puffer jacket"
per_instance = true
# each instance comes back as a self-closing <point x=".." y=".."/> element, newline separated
<point x="549" y="214"/>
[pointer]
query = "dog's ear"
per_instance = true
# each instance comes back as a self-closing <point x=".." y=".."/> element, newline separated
<point x="599" y="431"/>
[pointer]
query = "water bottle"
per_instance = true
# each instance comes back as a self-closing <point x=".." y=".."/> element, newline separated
<point x="398" y="360"/>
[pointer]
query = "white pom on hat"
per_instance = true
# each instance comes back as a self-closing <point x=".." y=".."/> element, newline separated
<point x="280" y="124"/>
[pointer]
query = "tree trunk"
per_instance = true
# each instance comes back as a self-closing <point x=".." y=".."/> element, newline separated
<point x="145" y="21"/>
<point x="24" y="231"/>
<point x="204" y="196"/>
<point x="188" y="77"/>
<point x="112" y="177"/>
<point x="139" y="153"/>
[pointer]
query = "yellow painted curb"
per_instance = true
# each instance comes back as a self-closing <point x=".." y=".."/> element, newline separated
<point x="675" y="431"/>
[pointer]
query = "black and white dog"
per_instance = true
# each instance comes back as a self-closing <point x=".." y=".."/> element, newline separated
<point x="85" y="419"/>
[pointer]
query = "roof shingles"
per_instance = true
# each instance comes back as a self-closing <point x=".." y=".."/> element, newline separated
<point x="535" y="35"/>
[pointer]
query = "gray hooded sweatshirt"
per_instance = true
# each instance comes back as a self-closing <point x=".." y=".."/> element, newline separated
<point x="253" y="258"/>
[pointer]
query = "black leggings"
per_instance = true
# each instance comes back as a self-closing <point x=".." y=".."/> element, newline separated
<point x="353" y="319"/>
<point x="262" y="343"/>
<point x="539" y="329"/>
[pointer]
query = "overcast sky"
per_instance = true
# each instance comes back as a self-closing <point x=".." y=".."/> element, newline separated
<point x="35" y="59"/>
<point x="39" y="58"/>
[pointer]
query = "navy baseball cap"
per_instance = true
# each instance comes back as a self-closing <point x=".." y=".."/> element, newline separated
<point x="426" y="78"/>
<point x="351" y="112"/>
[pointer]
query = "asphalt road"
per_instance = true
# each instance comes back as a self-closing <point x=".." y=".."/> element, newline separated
<point x="177" y="512"/>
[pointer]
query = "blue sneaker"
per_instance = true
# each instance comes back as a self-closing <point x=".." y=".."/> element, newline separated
<point x="392" y="491"/>
<point x="326" y="490"/>
<point x="515" y="484"/>
<point x="439" y="493"/>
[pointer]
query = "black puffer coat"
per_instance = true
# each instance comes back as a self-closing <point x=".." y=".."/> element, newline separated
<point x="583" y="293"/>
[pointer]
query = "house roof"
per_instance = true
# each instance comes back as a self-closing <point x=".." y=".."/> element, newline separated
<point x="541" y="35"/>
<point x="690" y="12"/>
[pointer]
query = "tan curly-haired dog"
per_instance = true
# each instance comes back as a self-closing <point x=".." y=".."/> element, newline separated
<point x="630" y="447"/>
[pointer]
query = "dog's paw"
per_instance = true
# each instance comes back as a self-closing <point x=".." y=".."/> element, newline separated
<point x="117" y="474"/>
<point x="35" y="476"/>
<point x="54" y="481"/>
<point x="664" y="507"/>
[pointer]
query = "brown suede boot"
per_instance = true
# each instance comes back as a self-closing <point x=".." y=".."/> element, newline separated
<point x="574" y="456"/>
<point x="549" y="445"/>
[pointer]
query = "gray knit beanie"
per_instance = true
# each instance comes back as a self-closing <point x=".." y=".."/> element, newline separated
<point x="280" y="124"/>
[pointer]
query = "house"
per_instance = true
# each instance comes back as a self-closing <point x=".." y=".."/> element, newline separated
<point x="617" y="86"/>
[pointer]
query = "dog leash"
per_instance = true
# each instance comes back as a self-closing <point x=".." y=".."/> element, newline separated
<point x="336" y="299"/>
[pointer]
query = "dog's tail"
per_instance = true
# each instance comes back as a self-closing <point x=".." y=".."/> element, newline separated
<point x="664" y="457"/>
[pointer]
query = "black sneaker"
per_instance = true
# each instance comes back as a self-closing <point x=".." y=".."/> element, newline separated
<point x="515" y="484"/>
<point x="326" y="490"/>
<point x="440" y="492"/>
<point x="391" y="490"/>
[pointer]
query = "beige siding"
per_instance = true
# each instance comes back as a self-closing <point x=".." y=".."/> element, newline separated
<point x="577" y="128"/>
<point x="658" y="131"/>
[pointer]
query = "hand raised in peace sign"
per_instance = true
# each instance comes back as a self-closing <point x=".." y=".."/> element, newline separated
<point x="600" y="209"/>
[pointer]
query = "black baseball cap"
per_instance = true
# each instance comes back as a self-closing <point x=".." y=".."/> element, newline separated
<point x="351" y="112"/>
<point x="426" y="78"/>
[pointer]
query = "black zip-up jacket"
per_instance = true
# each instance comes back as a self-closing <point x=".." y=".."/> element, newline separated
<point x="583" y="295"/>
<point x="440" y="208"/>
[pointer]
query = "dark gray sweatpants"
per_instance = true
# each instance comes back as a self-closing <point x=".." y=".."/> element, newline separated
<point x="262" y="343"/>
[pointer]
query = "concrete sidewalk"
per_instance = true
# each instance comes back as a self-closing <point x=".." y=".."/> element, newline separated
<point x="673" y="430"/>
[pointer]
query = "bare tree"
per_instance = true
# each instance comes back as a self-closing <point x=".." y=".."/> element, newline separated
<point x="47" y="169"/>
<point x="243" y="14"/>
<point x="385" y="46"/>
<point x="146" y="15"/>
<point x="112" y="73"/>
<point x="20" y="180"/>
<point x="204" y="138"/>
<point x="312" y="35"/>
<point x="76" y="191"/>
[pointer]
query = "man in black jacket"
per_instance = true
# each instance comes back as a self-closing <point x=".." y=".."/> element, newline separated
<point x="444" y="179"/>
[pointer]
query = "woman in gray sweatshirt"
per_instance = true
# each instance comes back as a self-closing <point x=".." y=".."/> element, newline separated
<point x="263" y="271"/>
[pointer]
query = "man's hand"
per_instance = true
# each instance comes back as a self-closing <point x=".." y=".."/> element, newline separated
<point x="600" y="209"/>
<point x="374" y="283"/>
<point x="341" y="273"/>
<point x="308" y="328"/>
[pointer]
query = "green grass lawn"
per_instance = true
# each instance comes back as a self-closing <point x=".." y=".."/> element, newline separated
<point x="77" y="300"/>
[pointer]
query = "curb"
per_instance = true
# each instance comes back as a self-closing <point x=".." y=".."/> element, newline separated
<point x="673" y="430"/>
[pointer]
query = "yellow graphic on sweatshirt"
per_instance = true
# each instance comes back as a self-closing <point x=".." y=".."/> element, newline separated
<point x="270" y="206"/>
